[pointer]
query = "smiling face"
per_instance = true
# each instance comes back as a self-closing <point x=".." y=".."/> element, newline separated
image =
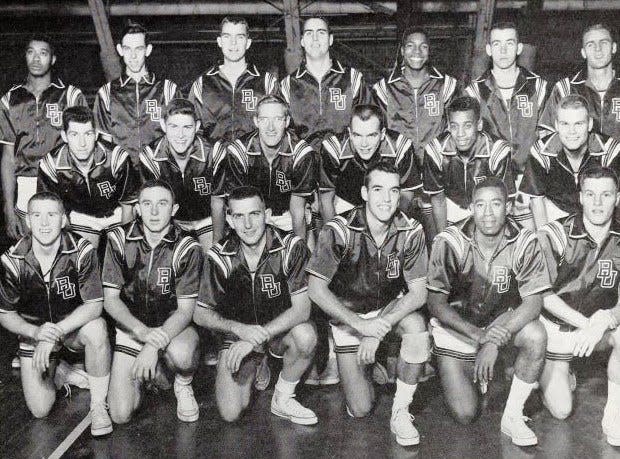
<point x="573" y="125"/>
<point x="598" y="48"/>
<point x="599" y="198"/>
<point x="248" y="218"/>
<point x="156" y="206"/>
<point x="234" y="41"/>
<point x="134" y="51"/>
<point x="81" y="138"/>
<point x="464" y="127"/>
<point x="271" y="120"/>
<point x="180" y="132"/>
<point x="504" y="47"/>
<point x="415" y="51"/>
<point x="45" y="219"/>
<point x="39" y="58"/>
<point x="489" y="209"/>
<point x="366" y="136"/>
<point x="381" y="195"/>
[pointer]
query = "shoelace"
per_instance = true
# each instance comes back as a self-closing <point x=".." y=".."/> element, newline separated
<point x="67" y="389"/>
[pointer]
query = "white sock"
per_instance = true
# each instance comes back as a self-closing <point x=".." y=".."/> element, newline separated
<point x="183" y="380"/>
<point x="403" y="396"/>
<point x="613" y="397"/>
<point x="519" y="392"/>
<point x="284" y="387"/>
<point x="98" y="388"/>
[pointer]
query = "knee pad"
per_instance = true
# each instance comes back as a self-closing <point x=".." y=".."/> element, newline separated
<point x="416" y="347"/>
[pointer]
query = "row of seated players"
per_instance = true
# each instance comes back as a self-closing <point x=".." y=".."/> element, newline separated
<point x="97" y="181"/>
<point x="485" y="284"/>
<point x="321" y="94"/>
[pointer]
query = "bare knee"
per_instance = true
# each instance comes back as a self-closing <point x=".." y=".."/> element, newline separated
<point x="560" y="411"/>
<point x="121" y="413"/>
<point x="412" y="323"/>
<point x="95" y="333"/>
<point x="181" y="353"/>
<point x="305" y="339"/>
<point x="464" y="415"/>
<point x="41" y="409"/>
<point x="533" y="336"/>
<point x="359" y="408"/>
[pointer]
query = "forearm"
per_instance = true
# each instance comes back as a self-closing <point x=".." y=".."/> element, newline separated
<point x="298" y="215"/>
<point x="319" y="293"/>
<point x="119" y="311"/>
<point x="440" y="211"/>
<point x="556" y="306"/>
<point x="126" y="213"/>
<point x="539" y="211"/>
<point x="7" y="164"/>
<point x="14" y="323"/>
<point x="211" y="319"/>
<point x="327" y="205"/>
<point x="218" y="217"/>
<point x="81" y="316"/>
<point x="405" y="305"/>
<point x="177" y="322"/>
<point x="524" y="314"/>
<point x="298" y="313"/>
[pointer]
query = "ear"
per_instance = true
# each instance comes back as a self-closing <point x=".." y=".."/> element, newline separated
<point x="64" y="221"/>
<point x="175" y="208"/>
<point x="197" y="125"/>
<point x="617" y="199"/>
<point x="331" y="40"/>
<point x="488" y="49"/>
<point x="364" y="192"/>
<point x="590" y="123"/>
<point x="63" y="135"/>
<point x="255" y="120"/>
<point x="162" y="123"/>
<point x="230" y="220"/>
<point x="583" y="53"/>
<point x="288" y="121"/>
<point x="248" y="44"/>
<point x="383" y="131"/>
<point x="28" y="222"/>
<point x="119" y="49"/>
<point x="519" y="49"/>
<point x="480" y="124"/>
<point x="508" y="206"/>
<point x="149" y="50"/>
<point x="53" y="59"/>
<point x="219" y="42"/>
<point x="137" y="210"/>
<point x="581" y="199"/>
<point x="614" y="47"/>
<point x="268" y="213"/>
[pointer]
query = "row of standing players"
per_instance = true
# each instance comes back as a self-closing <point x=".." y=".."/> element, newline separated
<point x="414" y="96"/>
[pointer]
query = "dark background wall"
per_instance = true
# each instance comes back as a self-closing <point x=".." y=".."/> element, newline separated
<point x="185" y="46"/>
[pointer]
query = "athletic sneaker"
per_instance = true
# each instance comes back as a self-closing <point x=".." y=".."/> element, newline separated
<point x="100" y="422"/>
<point x="401" y="425"/>
<point x="572" y="378"/>
<point x="516" y="428"/>
<point x="380" y="374"/>
<point x="16" y="363"/>
<point x="289" y="408"/>
<point x="263" y="375"/>
<point x="611" y="428"/>
<point x="187" y="407"/>
<point x="70" y="375"/>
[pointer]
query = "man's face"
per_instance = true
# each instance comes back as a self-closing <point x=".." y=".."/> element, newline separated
<point x="464" y="128"/>
<point x="247" y="217"/>
<point x="234" y="41"/>
<point x="134" y="51"/>
<point x="39" y="58"/>
<point x="382" y="195"/>
<point x="180" y="132"/>
<point x="489" y="209"/>
<point x="316" y="38"/>
<point x="503" y="47"/>
<point x="415" y="51"/>
<point x="366" y="136"/>
<point x="271" y="121"/>
<point x="572" y="126"/>
<point x="81" y="138"/>
<point x="156" y="207"/>
<point x="45" y="219"/>
<point x="599" y="198"/>
<point x="598" y="48"/>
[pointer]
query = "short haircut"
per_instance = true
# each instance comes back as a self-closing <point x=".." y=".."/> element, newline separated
<point x="599" y="26"/>
<point x="381" y="166"/>
<point x="367" y="111"/>
<point x="133" y="27"/>
<point x="180" y="106"/>
<point x="77" y="114"/>
<point x="322" y="18"/>
<point x="410" y="31"/>
<point x="597" y="171"/>
<point x="41" y="37"/>
<point x="273" y="99"/>
<point x="47" y="196"/>
<point x="464" y="104"/>
<point x="491" y="182"/>
<point x="235" y="20"/>
<point x="245" y="192"/>
<point x="574" y="101"/>
<point x="156" y="183"/>
<point x="503" y="25"/>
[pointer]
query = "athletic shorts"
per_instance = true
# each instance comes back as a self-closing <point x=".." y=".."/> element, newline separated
<point x="26" y="189"/>
<point x="456" y="213"/>
<point x="449" y="343"/>
<point x="521" y="208"/>
<point x="560" y="343"/>
<point x="84" y="223"/>
<point x="285" y="221"/>
<point x="125" y="344"/>
<point x="27" y="346"/>
<point x="346" y="339"/>
<point x="199" y="227"/>
<point x="553" y="212"/>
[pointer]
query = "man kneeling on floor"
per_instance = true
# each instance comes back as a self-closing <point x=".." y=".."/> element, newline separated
<point x="254" y="291"/>
<point x="485" y="280"/>
<point x="51" y="296"/>
<point x="368" y="273"/>
<point x="150" y="278"/>
<point x="582" y="313"/>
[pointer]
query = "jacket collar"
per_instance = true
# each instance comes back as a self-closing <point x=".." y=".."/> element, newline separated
<point x="250" y="70"/>
<point x="357" y="221"/>
<point x="523" y="77"/>
<point x="136" y="232"/>
<point x="57" y="83"/>
<point x="552" y="146"/>
<point x="577" y="229"/>
<point x="397" y="74"/>
<point x="23" y="248"/>
<point x="273" y="244"/>
<point x="253" y="147"/>
<point x="65" y="162"/>
<point x="336" y="68"/>
<point x="511" y="232"/>
<point x="482" y="147"/>
<point x="162" y="150"/>
<point x="149" y="79"/>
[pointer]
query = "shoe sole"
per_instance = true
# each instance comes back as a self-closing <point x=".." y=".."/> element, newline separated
<point x="295" y="420"/>
<point x="101" y="431"/>
<point x="520" y="442"/>
<point x="406" y="441"/>
<point x="188" y="417"/>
